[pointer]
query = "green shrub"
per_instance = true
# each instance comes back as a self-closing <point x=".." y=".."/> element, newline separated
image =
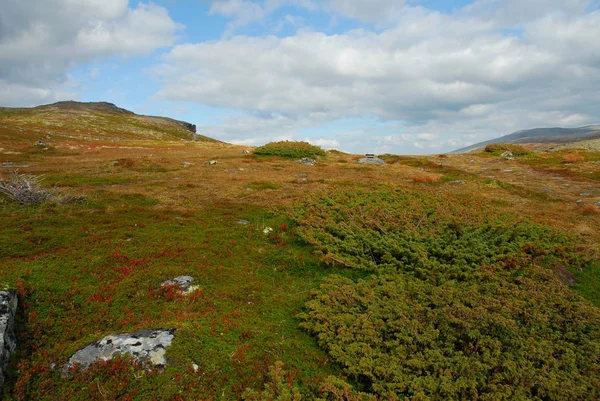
<point x="290" y="149"/>
<point x="460" y="304"/>
<point x="488" y="338"/>
<point x="499" y="148"/>
<point x="276" y="389"/>
<point x="432" y="237"/>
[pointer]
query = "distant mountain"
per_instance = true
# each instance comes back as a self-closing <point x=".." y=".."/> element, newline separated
<point x="97" y="120"/>
<point x="542" y="135"/>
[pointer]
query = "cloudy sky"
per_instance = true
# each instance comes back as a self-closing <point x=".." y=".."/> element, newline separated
<point x="376" y="76"/>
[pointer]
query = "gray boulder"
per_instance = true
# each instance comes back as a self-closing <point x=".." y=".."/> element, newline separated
<point x="372" y="160"/>
<point x="8" y="341"/>
<point x="147" y="347"/>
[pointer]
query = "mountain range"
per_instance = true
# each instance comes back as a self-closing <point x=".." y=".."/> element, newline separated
<point x="555" y="135"/>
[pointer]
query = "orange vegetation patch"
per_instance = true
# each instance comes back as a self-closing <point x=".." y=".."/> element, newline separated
<point x="572" y="158"/>
<point x="426" y="178"/>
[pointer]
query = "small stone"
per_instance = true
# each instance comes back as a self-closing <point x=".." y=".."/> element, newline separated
<point x="508" y="170"/>
<point x="187" y="164"/>
<point x="243" y="222"/>
<point x="245" y="152"/>
<point x="183" y="282"/>
<point x="195" y="367"/>
<point x="308" y="161"/>
<point x="507" y="154"/>
<point x="584" y="194"/>
<point x="458" y="182"/>
<point x="211" y="163"/>
<point x="579" y="201"/>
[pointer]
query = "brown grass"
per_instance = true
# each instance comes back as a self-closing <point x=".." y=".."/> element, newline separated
<point x="426" y="178"/>
<point x="590" y="210"/>
<point x="572" y="158"/>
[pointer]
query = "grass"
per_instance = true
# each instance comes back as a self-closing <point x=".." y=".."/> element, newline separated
<point x="566" y="163"/>
<point x="263" y="185"/>
<point x="499" y="148"/>
<point x="88" y="269"/>
<point x="239" y="324"/>
<point x="426" y="178"/>
<point x="572" y="158"/>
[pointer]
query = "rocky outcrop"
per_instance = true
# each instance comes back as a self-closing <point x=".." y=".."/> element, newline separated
<point x="190" y="127"/>
<point x="8" y="341"/>
<point x="147" y="347"/>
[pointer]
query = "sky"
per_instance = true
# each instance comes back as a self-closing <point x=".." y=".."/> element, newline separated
<point x="361" y="76"/>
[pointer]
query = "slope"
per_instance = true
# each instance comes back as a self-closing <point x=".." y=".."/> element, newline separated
<point x="95" y="121"/>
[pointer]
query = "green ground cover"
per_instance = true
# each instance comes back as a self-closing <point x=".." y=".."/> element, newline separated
<point x="462" y="303"/>
<point x="91" y="269"/>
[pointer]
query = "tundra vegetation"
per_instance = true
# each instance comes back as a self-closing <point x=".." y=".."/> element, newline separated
<point x="290" y="150"/>
<point x="499" y="148"/>
<point x="345" y="282"/>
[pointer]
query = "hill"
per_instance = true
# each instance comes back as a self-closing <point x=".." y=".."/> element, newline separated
<point x="559" y="136"/>
<point x="94" y="121"/>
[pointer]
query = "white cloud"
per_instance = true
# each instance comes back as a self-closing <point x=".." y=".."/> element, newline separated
<point x="444" y="77"/>
<point x="244" y="12"/>
<point x="355" y="74"/>
<point x="324" y="143"/>
<point x="427" y="137"/>
<point x="367" y="10"/>
<point x="41" y="40"/>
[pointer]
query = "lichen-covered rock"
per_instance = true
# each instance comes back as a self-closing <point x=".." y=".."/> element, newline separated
<point x="308" y="161"/>
<point x="371" y="160"/>
<point x="184" y="283"/>
<point x="147" y="347"/>
<point x="8" y="341"/>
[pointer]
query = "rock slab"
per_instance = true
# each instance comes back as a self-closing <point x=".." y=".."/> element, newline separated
<point x="147" y="347"/>
<point x="8" y="341"/>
